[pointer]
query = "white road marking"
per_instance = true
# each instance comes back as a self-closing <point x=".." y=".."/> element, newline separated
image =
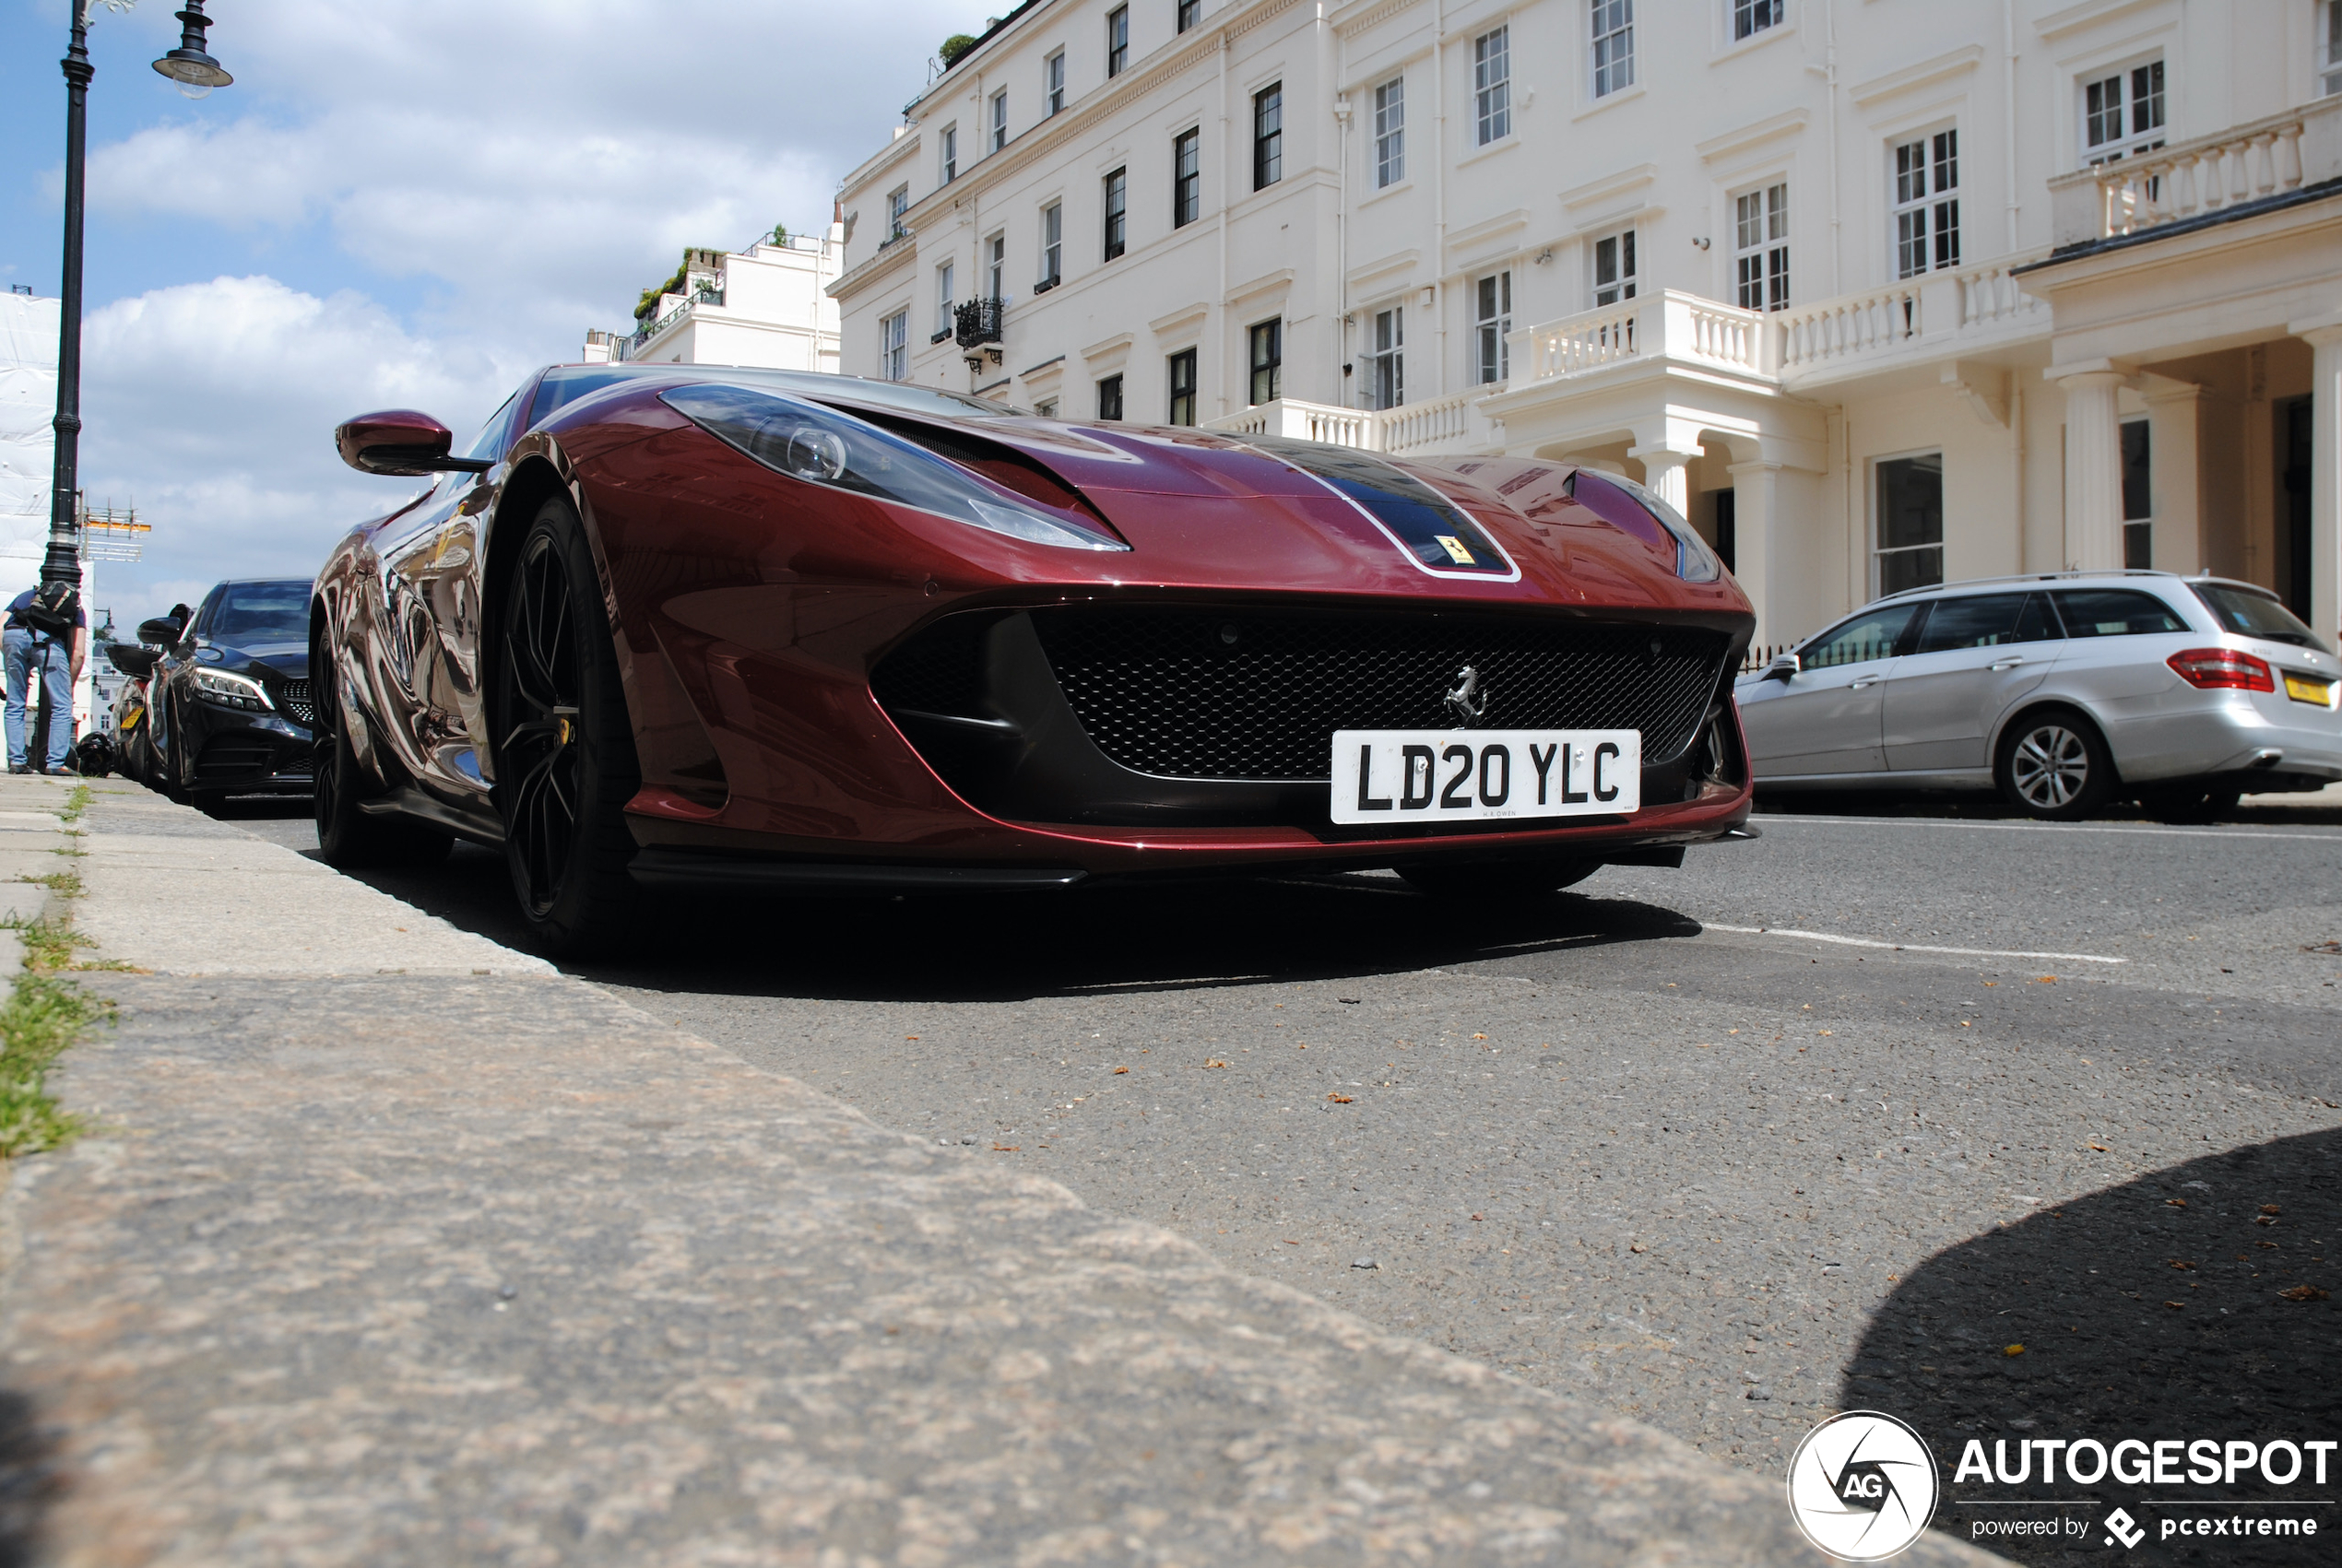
<point x="1900" y="947"/>
<point x="1769" y="820"/>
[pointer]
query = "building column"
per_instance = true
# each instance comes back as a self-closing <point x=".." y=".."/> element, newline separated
<point x="1663" y="472"/>
<point x="1755" y="505"/>
<point x="2174" y="425"/>
<point x="2093" y="469"/>
<point x="2324" y="335"/>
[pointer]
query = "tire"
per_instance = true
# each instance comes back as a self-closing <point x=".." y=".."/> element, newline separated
<point x="347" y="838"/>
<point x="565" y="763"/>
<point x="2192" y="804"/>
<point x="175" y="768"/>
<point x="1498" y="882"/>
<point x="2053" y="766"/>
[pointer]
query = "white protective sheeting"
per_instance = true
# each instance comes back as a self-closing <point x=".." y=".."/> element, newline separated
<point x="28" y="441"/>
<point x="29" y="448"/>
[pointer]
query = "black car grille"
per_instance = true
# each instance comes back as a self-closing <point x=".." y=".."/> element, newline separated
<point x="940" y="671"/>
<point x="248" y="757"/>
<point x="292" y="701"/>
<point x="1243" y="695"/>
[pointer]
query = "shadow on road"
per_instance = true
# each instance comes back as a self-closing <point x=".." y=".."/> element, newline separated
<point x="1000" y="947"/>
<point x="29" y="1483"/>
<point x="2296" y="810"/>
<point x="2152" y="1310"/>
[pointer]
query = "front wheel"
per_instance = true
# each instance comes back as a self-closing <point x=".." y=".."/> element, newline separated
<point x="1498" y="881"/>
<point x="565" y="764"/>
<point x="2053" y="766"/>
<point x="349" y="837"/>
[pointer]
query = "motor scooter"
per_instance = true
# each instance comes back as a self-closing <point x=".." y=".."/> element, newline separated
<point x="133" y="752"/>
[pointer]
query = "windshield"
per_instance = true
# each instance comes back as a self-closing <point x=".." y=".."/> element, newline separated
<point x="2248" y="614"/>
<point x="254" y="613"/>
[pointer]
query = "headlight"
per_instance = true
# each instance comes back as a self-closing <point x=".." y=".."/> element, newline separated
<point x="231" y="690"/>
<point x="1694" y="562"/>
<point x="822" y="446"/>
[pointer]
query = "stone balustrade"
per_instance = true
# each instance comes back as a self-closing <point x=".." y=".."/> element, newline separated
<point x="2192" y="178"/>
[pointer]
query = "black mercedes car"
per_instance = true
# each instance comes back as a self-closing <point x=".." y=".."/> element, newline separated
<point x="229" y="698"/>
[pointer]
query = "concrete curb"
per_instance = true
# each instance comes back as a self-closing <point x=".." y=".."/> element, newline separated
<point x="475" y="1264"/>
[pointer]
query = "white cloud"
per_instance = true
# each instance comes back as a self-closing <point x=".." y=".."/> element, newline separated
<point x="212" y="406"/>
<point x="530" y="164"/>
<point x="549" y="155"/>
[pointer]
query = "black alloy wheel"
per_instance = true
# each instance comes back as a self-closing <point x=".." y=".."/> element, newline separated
<point x="1496" y="881"/>
<point x="565" y="763"/>
<point x="349" y="837"/>
<point x="2054" y="766"/>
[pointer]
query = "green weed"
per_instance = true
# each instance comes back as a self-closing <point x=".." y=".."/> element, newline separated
<point x="43" y="1012"/>
<point x="41" y="1016"/>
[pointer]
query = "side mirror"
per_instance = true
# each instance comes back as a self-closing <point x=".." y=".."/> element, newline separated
<point x="160" y="632"/>
<point x="401" y="441"/>
<point x="1782" y="668"/>
<point x="137" y="663"/>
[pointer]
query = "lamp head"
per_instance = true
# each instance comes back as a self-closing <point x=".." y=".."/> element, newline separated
<point x="195" y="71"/>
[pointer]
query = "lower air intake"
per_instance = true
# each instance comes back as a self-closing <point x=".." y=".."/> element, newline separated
<point x="1203" y="694"/>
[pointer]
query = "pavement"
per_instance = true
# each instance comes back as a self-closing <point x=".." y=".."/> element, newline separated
<point x="391" y="1246"/>
<point x="1822" y="1121"/>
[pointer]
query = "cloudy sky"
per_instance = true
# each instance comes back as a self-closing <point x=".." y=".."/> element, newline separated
<point x="400" y="201"/>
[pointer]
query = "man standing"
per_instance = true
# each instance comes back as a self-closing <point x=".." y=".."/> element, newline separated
<point x="46" y="630"/>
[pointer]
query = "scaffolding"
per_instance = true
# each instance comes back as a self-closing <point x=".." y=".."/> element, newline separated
<point x="111" y="533"/>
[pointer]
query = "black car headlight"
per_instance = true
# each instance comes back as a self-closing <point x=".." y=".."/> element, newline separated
<point x="823" y="446"/>
<point x="231" y="690"/>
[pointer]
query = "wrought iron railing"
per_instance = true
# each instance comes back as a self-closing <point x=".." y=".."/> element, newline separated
<point x="975" y="323"/>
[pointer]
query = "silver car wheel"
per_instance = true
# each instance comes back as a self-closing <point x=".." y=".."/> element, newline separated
<point x="2050" y="767"/>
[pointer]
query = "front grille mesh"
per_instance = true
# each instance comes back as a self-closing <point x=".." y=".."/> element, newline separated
<point x="1164" y="692"/>
<point x="292" y="701"/>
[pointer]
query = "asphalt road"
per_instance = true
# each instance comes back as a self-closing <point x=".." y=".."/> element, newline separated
<point x="1826" y="1120"/>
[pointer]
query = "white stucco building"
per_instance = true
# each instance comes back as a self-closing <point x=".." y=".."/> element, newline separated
<point x="1881" y="290"/>
<point x="768" y="305"/>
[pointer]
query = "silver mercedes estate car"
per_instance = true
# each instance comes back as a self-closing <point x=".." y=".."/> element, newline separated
<point x="2063" y="692"/>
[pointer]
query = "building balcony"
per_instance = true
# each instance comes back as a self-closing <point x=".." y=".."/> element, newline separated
<point x="1449" y="424"/>
<point x="633" y="347"/>
<point x="1940" y="316"/>
<point x="2261" y="161"/>
<point x="1936" y="316"/>
<point x="977" y="323"/>
<point x="1666" y="325"/>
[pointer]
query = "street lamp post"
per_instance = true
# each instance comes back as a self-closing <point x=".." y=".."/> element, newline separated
<point x="196" y="73"/>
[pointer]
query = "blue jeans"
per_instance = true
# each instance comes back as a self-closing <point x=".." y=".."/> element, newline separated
<point x="54" y="661"/>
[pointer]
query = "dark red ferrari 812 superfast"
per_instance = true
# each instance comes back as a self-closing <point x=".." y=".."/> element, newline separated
<point x="688" y="626"/>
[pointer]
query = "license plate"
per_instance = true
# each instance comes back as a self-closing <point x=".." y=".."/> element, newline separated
<point x="1429" y="775"/>
<point x="2307" y="689"/>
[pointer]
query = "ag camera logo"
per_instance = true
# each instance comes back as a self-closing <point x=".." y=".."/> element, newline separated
<point x="1862" y="1486"/>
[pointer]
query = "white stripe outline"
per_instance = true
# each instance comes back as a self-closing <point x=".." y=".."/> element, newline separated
<point x="1769" y="818"/>
<point x="1900" y="947"/>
